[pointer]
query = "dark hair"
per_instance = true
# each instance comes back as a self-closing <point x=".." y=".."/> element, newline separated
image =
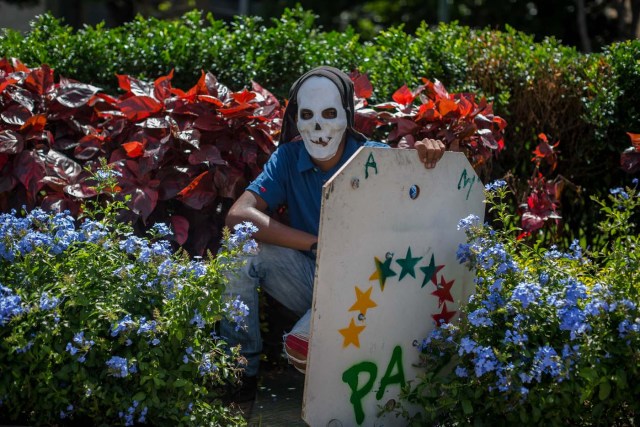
<point x="345" y="87"/>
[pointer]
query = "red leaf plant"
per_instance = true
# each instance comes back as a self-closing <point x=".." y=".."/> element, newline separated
<point x="630" y="158"/>
<point x="183" y="156"/>
<point x="542" y="202"/>
<point x="430" y="111"/>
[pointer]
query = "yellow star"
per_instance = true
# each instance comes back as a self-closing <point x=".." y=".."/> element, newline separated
<point x="363" y="301"/>
<point x="350" y="334"/>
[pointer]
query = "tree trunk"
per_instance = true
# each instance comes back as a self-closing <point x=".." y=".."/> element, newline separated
<point x="635" y="15"/>
<point x="581" y="15"/>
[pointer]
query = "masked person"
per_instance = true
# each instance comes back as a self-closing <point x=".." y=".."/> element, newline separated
<point x="317" y="138"/>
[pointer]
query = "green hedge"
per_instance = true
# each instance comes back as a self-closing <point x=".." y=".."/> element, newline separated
<point x="587" y="102"/>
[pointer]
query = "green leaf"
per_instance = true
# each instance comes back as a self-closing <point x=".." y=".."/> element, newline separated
<point x="588" y="374"/>
<point x="605" y="390"/>
<point x="180" y="382"/>
<point x="467" y="407"/>
<point x="139" y="396"/>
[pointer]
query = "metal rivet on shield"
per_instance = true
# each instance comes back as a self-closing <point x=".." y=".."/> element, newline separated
<point x="414" y="192"/>
<point x="391" y="403"/>
<point x="355" y="183"/>
<point x="415" y="343"/>
<point x="389" y="255"/>
<point x="334" y="423"/>
<point x="361" y="317"/>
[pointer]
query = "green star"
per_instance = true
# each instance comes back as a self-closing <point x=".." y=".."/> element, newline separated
<point x="408" y="265"/>
<point x="429" y="270"/>
<point x="383" y="270"/>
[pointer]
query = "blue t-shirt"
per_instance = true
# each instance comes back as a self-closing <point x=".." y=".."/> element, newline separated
<point x="290" y="178"/>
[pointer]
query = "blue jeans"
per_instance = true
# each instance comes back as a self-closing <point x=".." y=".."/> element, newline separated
<point x="285" y="274"/>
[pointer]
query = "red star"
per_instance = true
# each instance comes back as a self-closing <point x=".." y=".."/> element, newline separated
<point x="434" y="278"/>
<point x="444" y="316"/>
<point x="444" y="291"/>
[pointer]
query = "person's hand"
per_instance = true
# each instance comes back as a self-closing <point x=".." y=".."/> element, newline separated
<point x="430" y="151"/>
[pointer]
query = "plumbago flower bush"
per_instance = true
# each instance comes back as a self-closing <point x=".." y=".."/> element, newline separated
<point x="549" y="338"/>
<point x="101" y="327"/>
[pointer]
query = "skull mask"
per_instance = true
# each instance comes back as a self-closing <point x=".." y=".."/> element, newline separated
<point x="322" y="119"/>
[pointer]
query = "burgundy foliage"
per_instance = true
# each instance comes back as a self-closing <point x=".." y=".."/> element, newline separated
<point x="630" y="158"/>
<point x="430" y="111"/>
<point x="181" y="154"/>
<point x="542" y="203"/>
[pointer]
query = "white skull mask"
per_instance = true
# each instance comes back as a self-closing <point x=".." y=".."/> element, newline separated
<point x="322" y="118"/>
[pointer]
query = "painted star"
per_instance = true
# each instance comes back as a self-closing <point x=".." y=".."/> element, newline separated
<point x="408" y="265"/>
<point x="444" y="291"/>
<point x="383" y="270"/>
<point x="444" y="316"/>
<point x="351" y="334"/>
<point x="363" y="301"/>
<point x="431" y="271"/>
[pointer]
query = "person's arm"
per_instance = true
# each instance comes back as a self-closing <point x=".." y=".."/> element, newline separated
<point x="430" y="151"/>
<point x="251" y="207"/>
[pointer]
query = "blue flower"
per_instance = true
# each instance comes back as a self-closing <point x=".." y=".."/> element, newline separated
<point x="573" y="319"/>
<point x="10" y="305"/>
<point x="161" y="228"/>
<point x="242" y="236"/>
<point x="143" y="414"/>
<point x="467" y="346"/>
<point x="119" y="367"/>
<point x="207" y="366"/>
<point x="499" y="183"/>
<point x="122" y="325"/>
<point x="485" y="361"/>
<point x="71" y="349"/>
<point x="104" y="174"/>
<point x="625" y="327"/>
<point x="479" y="318"/>
<point x="464" y="254"/>
<point x="197" y="268"/>
<point x="461" y="372"/>
<point x="146" y="327"/>
<point x="131" y="244"/>
<point x="197" y="320"/>
<point x="25" y="348"/>
<point x="166" y="267"/>
<point x="47" y="303"/>
<point x="619" y="191"/>
<point x="553" y="253"/>
<point x="161" y="248"/>
<point x="546" y="360"/>
<point x="236" y="312"/>
<point x="526" y="293"/>
<point x="468" y="222"/>
<point x="514" y="337"/>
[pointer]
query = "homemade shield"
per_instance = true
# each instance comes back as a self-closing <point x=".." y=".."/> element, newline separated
<point x="386" y="274"/>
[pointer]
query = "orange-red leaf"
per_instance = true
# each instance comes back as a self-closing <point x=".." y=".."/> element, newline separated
<point x="362" y="85"/>
<point x="403" y="96"/>
<point x="134" y="148"/>
<point x="243" y="97"/>
<point x="139" y="107"/>
<point x="445" y="106"/>
<point x="635" y="140"/>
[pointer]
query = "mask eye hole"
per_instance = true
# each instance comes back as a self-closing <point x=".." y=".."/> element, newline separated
<point x="306" y="114"/>
<point x="330" y="113"/>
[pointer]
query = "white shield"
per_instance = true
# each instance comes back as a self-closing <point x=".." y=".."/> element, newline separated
<point x="386" y="272"/>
